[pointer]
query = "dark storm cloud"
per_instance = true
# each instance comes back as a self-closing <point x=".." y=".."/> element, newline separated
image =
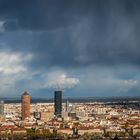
<point x="75" y="32"/>
<point x="41" y="15"/>
<point x="52" y="14"/>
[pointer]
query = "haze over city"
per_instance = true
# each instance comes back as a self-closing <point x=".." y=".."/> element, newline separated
<point x="89" y="48"/>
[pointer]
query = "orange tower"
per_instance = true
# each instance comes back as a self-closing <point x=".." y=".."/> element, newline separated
<point x="25" y="107"/>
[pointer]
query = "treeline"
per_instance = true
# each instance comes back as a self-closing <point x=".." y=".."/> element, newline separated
<point x="46" y="134"/>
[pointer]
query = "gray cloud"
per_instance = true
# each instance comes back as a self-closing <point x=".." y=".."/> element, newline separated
<point x="82" y="32"/>
<point x="74" y="35"/>
<point x="40" y="15"/>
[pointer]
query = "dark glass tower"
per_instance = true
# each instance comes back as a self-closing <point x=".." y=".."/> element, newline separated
<point x="57" y="103"/>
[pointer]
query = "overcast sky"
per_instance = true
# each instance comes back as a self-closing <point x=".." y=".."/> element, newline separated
<point x="85" y="47"/>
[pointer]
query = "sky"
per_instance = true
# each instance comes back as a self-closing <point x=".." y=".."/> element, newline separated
<point x="87" y="48"/>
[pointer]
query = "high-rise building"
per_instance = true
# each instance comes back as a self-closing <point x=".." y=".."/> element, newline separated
<point x="25" y="108"/>
<point x="58" y="103"/>
<point x="67" y="106"/>
<point x="1" y="108"/>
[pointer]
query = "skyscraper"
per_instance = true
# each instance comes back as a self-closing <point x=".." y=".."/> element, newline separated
<point x="25" y="109"/>
<point x="58" y="103"/>
<point x="67" y="106"/>
<point x="1" y="108"/>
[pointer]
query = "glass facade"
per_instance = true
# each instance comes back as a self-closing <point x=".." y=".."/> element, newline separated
<point x="58" y="103"/>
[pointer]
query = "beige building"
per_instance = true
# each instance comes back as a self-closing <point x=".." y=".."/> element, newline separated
<point x="46" y="116"/>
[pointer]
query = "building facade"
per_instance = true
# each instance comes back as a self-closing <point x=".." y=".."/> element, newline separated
<point x="57" y="103"/>
<point x="25" y="107"/>
<point x="1" y="108"/>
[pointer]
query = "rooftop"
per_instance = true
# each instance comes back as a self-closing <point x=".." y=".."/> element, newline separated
<point x="25" y="93"/>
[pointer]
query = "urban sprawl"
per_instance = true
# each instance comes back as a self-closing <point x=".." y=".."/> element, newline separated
<point x="66" y="120"/>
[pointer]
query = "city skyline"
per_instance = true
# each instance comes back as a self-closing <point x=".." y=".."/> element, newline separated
<point x="86" y="48"/>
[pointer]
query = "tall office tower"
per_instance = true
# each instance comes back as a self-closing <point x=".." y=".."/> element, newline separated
<point x="1" y="108"/>
<point x="58" y="103"/>
<point x="67" y="106"/>
<point x="25" y="109"/>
